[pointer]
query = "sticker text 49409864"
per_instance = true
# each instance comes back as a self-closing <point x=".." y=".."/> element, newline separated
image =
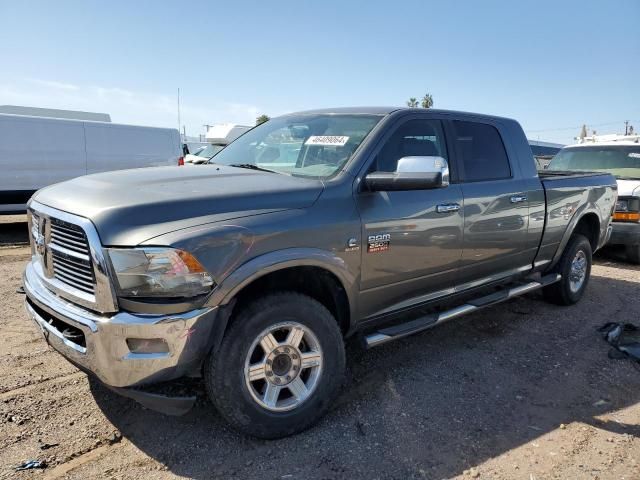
<point x="327" y="140"/>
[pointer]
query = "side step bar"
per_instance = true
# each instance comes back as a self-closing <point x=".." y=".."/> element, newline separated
<point x="423" y="323"/>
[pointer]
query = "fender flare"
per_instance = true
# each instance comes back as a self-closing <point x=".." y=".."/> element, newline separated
<point x="577" y="217"/>
<point x="270" y="262"/>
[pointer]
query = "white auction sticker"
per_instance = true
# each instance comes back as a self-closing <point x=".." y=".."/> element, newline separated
<point x="634" y="155"/>
<point x="327" y="140"/>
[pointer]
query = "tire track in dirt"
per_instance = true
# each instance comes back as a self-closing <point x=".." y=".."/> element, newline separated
<point x="26" y="389"/>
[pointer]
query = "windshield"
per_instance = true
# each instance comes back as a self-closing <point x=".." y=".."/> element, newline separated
<point x="622" y="161"/>
<point x="209" y="151"/>
<point x="314" y="145"/>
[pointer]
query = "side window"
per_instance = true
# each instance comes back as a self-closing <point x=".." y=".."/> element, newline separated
<point x="414" y="138"/>
<point x="481" y="151"/>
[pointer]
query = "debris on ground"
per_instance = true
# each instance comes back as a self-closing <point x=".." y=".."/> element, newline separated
<point x="624" y="338"/>
<point x="31" y="464"/>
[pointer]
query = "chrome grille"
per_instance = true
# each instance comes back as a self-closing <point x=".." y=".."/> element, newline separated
<point x="67" y="255"/>
<point x="71" y="256"/>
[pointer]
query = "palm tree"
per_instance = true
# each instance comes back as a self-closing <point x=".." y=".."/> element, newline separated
<point x="262" y="118"/>
<point x="427" y="101"/>
<point x="412" y="102"/>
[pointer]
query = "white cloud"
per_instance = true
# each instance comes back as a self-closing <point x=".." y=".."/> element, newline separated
<point x="126" y="106"/>
<point x="53" y="85"/>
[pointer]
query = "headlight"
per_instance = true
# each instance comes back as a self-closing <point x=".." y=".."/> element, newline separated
<point x="158" y="272"/>
<point x="627" y="210"/>
<point x="622" y="206"/>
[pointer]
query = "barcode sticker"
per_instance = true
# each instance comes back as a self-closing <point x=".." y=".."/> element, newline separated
<point x="327" y="140"/>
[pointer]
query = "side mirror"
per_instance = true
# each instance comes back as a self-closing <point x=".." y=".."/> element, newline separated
<point x="412" y="173"/>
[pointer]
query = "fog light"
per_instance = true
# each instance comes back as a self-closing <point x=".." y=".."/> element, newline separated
<point x="147" y="345"/>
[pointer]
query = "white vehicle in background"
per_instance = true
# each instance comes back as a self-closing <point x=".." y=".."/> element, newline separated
<point x="620" y="156"/>
<point x="38" y="151"/>
<point x="218" y="136"/>
<point x="202" y="154"/>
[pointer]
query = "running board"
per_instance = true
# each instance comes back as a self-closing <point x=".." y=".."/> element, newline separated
<point x="423" y="323"/>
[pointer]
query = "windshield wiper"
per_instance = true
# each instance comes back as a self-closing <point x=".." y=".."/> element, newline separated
<point x="251" y="166"/>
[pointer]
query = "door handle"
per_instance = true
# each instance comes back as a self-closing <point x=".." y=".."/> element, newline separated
<point x="518" y="198"/>
<point x="447" y="207"/>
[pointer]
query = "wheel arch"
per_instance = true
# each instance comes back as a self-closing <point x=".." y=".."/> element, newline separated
<point x="587" y="224"/>
<point x="314" y="272"/>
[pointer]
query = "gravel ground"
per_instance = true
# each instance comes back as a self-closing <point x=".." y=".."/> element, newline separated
<point x="523" y="390"/>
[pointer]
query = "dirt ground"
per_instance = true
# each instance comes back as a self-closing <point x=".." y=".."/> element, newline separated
<point x="523" y="390"/>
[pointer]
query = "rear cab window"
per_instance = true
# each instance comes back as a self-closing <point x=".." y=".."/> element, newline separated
<point x="480" y="150"/>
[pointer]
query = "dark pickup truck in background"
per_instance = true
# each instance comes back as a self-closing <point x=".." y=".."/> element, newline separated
<point x="307" y="229"/>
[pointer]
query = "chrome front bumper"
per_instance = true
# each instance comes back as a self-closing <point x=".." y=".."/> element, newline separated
<point x="105" y="352"/>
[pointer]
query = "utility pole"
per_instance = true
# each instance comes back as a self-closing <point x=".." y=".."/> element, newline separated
<point x="626" y="127"/>
<point x="179" y="122"/>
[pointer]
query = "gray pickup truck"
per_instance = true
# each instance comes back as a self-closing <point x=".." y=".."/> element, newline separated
<point x="308" y="229"/>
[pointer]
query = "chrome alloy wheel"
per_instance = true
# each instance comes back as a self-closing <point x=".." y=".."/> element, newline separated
<point x="578" y="271"/>
<point x="283" y="366"/>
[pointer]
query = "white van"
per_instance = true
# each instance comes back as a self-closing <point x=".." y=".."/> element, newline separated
<point x="621" y="158"/>
<point x="39" y="151"/>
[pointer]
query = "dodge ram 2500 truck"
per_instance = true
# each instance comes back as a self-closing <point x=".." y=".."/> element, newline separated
<point x="308" y="229"/>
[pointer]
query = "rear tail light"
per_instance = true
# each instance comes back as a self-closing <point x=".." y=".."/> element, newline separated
<point x="181" y="161"/>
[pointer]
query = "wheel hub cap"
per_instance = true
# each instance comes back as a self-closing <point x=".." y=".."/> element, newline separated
<point x="578" y="271"/>
<point x="282" y="365"/>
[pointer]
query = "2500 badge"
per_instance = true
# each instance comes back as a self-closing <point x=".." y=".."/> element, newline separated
<point x="378" y="243"/>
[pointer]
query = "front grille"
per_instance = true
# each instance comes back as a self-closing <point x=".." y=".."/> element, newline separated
<point x="71" y="256"/>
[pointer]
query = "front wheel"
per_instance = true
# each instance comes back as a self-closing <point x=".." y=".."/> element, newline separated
<point x="575" y="268"/>
<point x="279" y="366"/>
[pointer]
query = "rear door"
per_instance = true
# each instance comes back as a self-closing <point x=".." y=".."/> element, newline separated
<point x="496" y="207"/>
<point x="411" y="248"/>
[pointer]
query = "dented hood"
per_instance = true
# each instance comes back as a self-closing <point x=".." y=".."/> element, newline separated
<point x="131" y="206"/>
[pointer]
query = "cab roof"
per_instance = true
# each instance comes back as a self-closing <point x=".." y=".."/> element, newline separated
<point x="387" y="111"/>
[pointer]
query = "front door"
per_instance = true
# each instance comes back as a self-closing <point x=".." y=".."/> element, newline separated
<point x="411" y="244"/>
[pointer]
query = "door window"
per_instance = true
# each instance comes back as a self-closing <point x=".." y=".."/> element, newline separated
<point x="414" y="138"/>
<point x="481" y="151"/>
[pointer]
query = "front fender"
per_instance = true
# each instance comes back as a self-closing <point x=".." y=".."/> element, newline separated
<point x="281" y="259"/>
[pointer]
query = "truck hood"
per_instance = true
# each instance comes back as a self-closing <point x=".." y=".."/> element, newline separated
<point x="128" y="207"/>
<point x="628" y="188"/>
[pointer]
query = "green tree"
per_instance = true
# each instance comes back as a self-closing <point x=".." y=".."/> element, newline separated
<point x="262" y="118"/>
<point x="427" y="101"/>
<point x="412" y="102"/>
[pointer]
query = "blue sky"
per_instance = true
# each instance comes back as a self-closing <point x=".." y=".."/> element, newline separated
<point x="553" y="65"/>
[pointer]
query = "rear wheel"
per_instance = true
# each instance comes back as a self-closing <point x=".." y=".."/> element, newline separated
<point x="279" y="366"/>
<point x="575" y="268"/>
<point x="633" y="253"/>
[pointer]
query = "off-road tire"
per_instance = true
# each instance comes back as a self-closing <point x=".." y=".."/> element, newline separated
<point x="224" y="369"/>
<point x="560" y="292"/>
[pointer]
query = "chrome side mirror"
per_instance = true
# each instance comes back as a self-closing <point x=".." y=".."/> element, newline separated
<point x="431" y="164"/>
<point x="412" y="173"/>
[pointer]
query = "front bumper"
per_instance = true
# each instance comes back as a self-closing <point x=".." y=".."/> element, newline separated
<point x="103" y="350"/>
<point x="625" y="233"/>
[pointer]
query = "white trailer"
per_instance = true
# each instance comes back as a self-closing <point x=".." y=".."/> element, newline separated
<point x="37" y="151"/>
